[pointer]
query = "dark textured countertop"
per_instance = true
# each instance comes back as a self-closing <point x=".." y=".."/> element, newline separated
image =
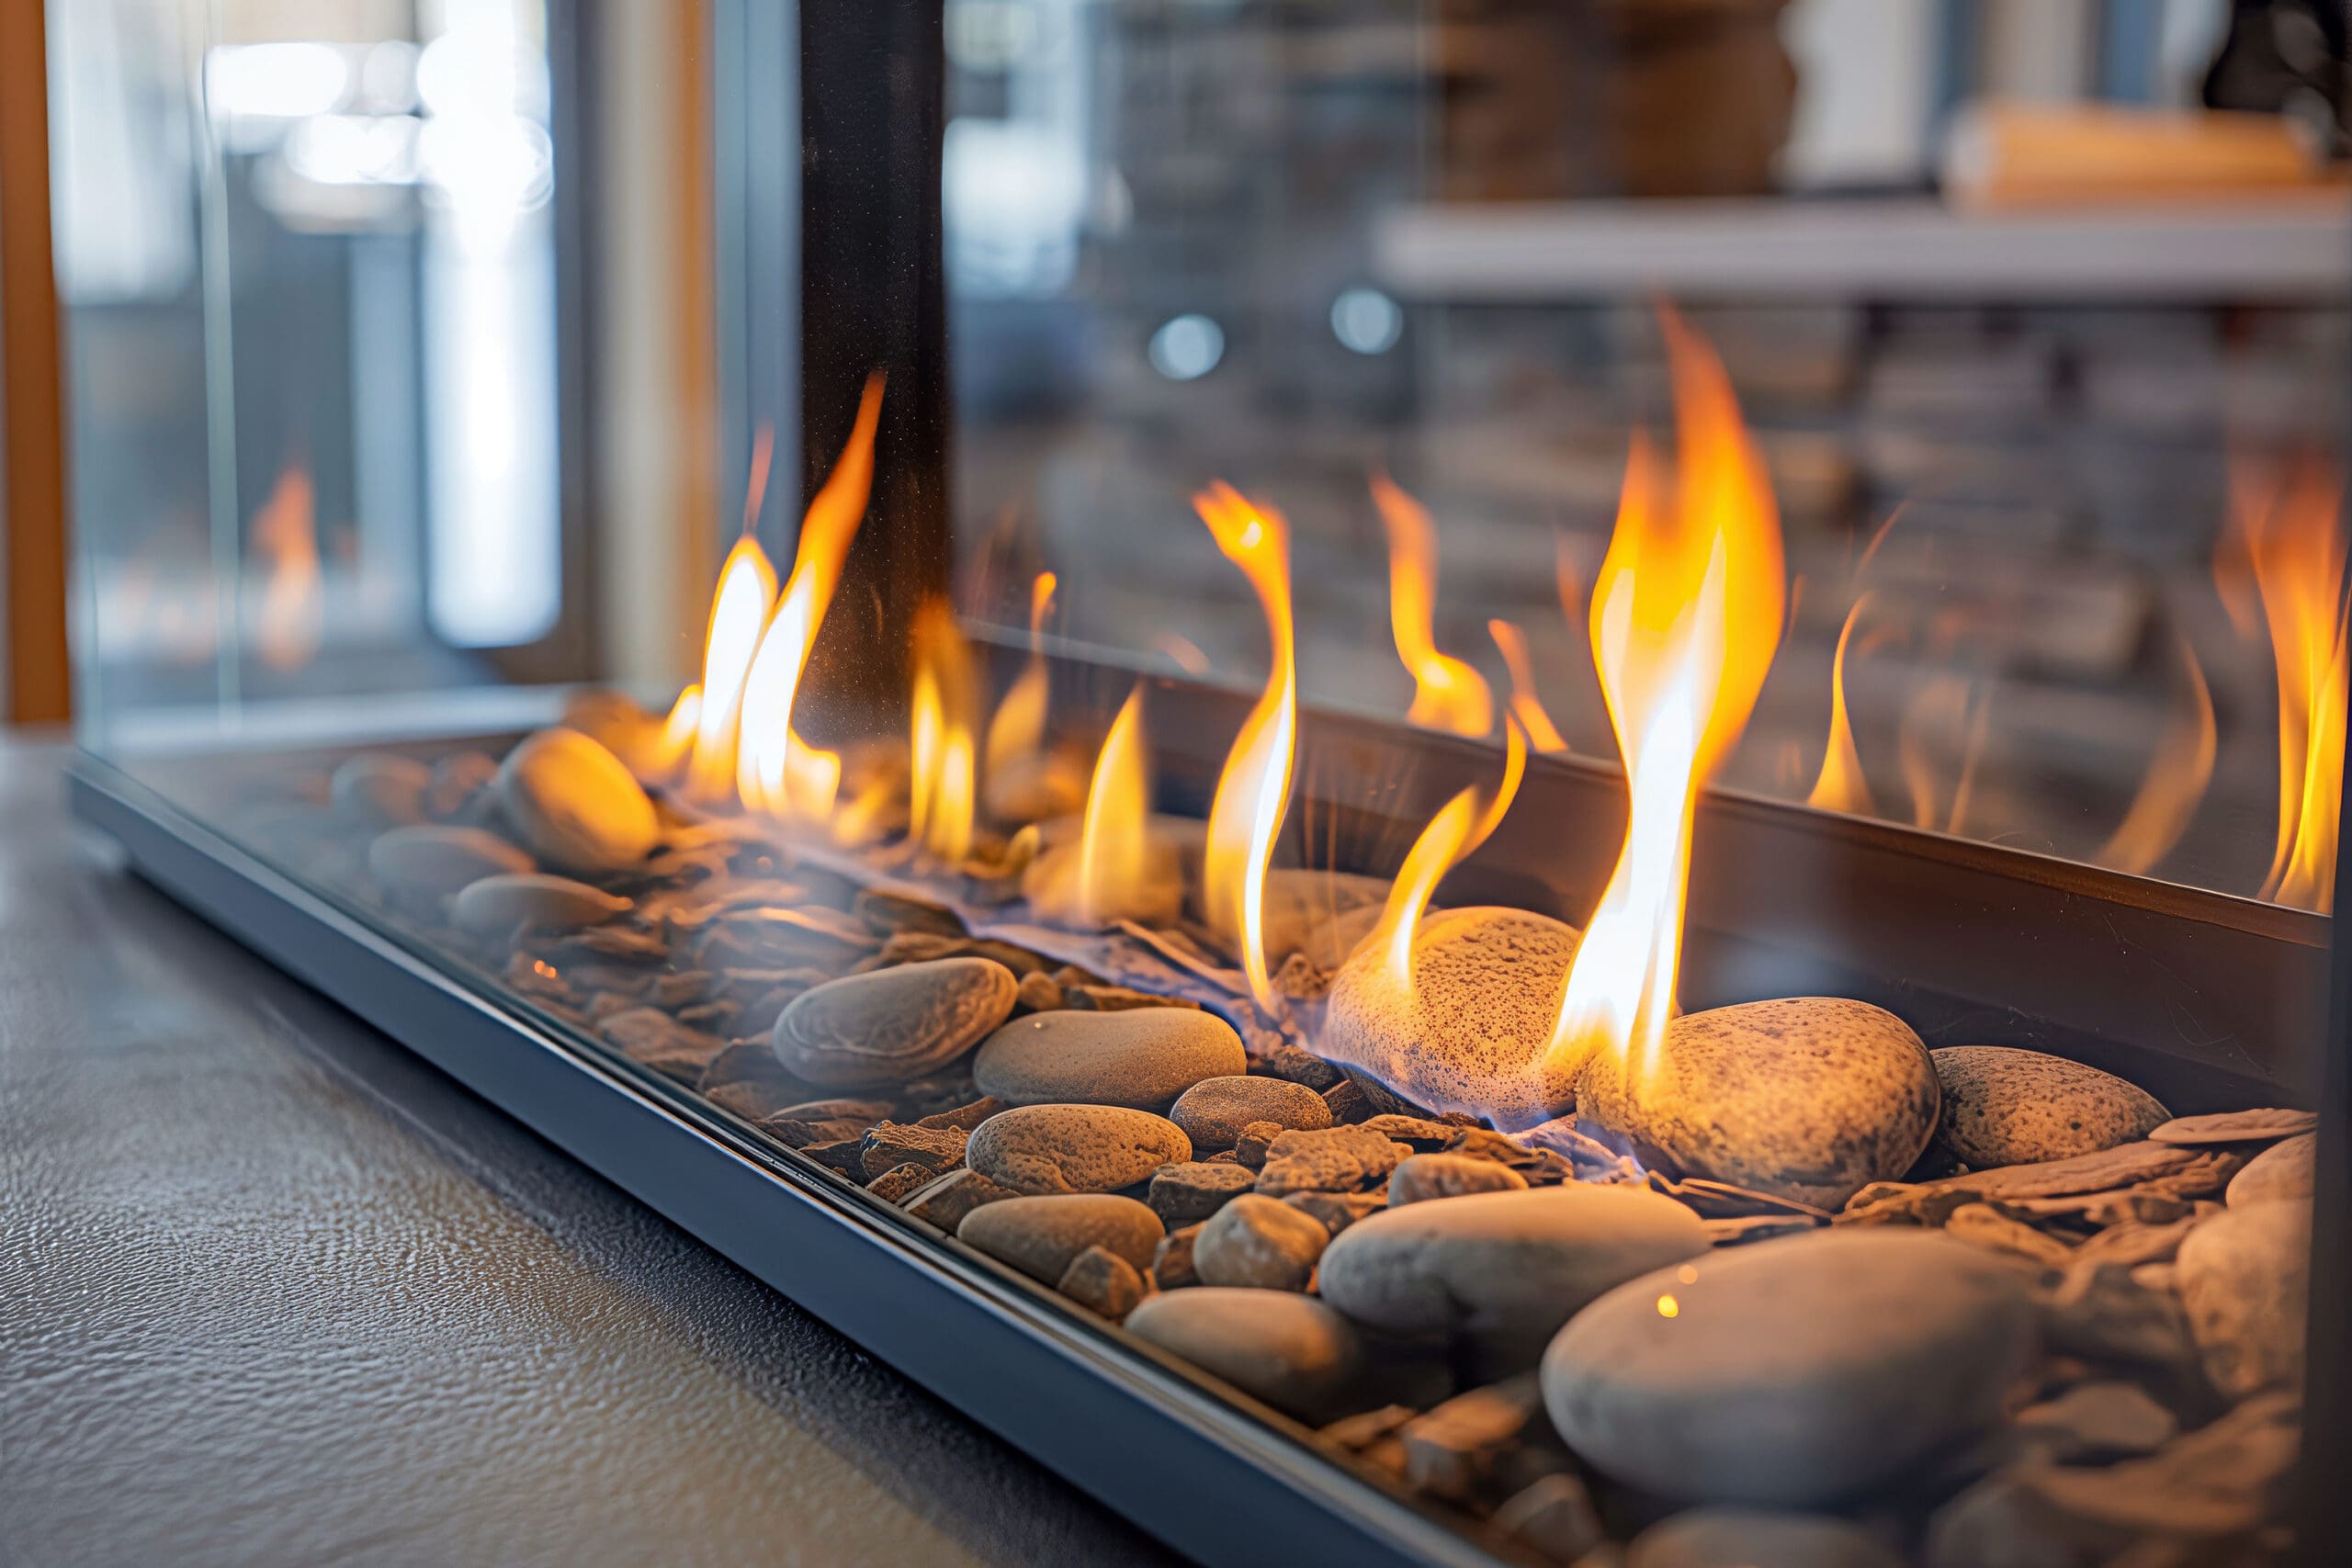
<point x="272" y="1291"/>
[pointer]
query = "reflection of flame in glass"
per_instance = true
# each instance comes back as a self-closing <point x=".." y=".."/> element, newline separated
<point x="1114" y="856"/>
<point x="285" y="535"/>
<point x="1525" y="706"/>
<point x="2178" y="774"/>
<point x="1945" y="704"/>
<point x="1018" y="727"/>
<point x="1841" y="786"/>
<point x="1686" y="617"/>
<point x="1447" y="694"/>
<point x="1253" y="790"/>
<point x="940" y="808"/>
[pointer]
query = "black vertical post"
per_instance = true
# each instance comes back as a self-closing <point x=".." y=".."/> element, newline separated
<point x="873" y="295"/>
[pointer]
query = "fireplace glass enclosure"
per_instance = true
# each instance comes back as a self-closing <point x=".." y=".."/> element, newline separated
<point x="1537" y="782"/>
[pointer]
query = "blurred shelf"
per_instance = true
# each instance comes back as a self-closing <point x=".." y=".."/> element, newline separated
<point x="1907" y="249"/>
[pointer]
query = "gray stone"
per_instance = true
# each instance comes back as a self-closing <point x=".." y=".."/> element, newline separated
<point x="494" y="906"/>
<point x="1214" y="1111"/>
<point x="1074" y="1148"/>
<point x="575" y="803"/>
<point x="1502" y="1269"/>
<point x="1424" y="1176"/>
<point x="1181" y="1194"/>
<point x="1794" y="1372"/>
<point x="1103" y="1282"/>
<point x="1751" y="1537"/>
<point x="1811" y="1098"/>
<point x="1291" y="1351"/>
<point x="381" y="789"/>
<point x="1143" y="1057"/>
<point x="2284" y="1173"/>
<point x="1452" y="1450"/>
<point x="1470" y="1029"/>
<point x="2244" y="1282"/>
<point x="1259" y="1243"/>
<point x="1042" y="1237"/>
<point x="429" y="863"/>
<point x="1333" y="1160"/>
<point x="2003" y="1106"/>
<point x="890" y="1025"/>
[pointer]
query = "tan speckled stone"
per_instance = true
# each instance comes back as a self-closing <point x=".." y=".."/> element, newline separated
<point x="1042" y="1237"/>
<point x="2004" y="1106"/>
<point x="1142" y="1058"/>
<point x="575" y="803"/>
<point x="1074" y="1148"/>
<point x="1811" y="1098"/>
<point x="1260" y="1244"/>
<point x="1214" y="1111"/>
<point x="1470" y="1032"/>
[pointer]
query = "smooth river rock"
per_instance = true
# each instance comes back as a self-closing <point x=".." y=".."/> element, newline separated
<point x="1811" y="1098"/>
<point x="2284" y="1173"/>
<point x="496" y="904"/>
<point x="1214" y="1111"/>
<point x="1141" y="1057"/>
<point x="1259" y="1243"/>
<point x="381" y="789"/>
<point x="1755" y="1538"/>
<point x="1502" y="1270"/>
<point x="2245" y="1279"/>
<point x="1074" y="1148"/>
<point x="1290" y="1351"/>
<point x="1472" y="1030"/>
<point x="2004" y="1106"/>
<point x="429" y="863"/>
<point x="1791" y="1374"/>
<point x="892" y="1025"/>
<point x="1042" y="1237"/>
<point x="575" y="803"/>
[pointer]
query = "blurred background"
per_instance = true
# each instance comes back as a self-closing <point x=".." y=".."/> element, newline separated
<point x="423" y="345"/>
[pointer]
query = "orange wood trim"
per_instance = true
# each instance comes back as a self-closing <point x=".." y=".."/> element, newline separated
<point x="33" y="386"/>
<point x="696" y="322"/>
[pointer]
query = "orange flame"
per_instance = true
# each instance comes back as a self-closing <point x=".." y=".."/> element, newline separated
<point x="1841" y="786"/>
<point x="1018" y="727"/>
<point x="1448" y="694"/>
<point x="1525" y="706"/>
<point x="1113" y="855"/>
<point x="293" y="612"/>
<point x="1452" y="837"/>
<point x="737" y="610"/>
<point x="940" y="752"/>
<point x="2293" y="538"/>
<point x="1253" y="790"/>
<point x="2175" y="784"/>
<point x="776" y="770"/>
<point x="1686" y="617"/>
<point x="1182" y="652"/>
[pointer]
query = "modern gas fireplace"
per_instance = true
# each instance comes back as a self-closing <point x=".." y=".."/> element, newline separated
<point x="1727" y="1013"/>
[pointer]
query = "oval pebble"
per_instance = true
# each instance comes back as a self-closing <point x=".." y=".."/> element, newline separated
<point x="1214" y="1111"/>
<point x="892" y="1025"/>
<point x="2245" y="1279"/>
<point x="1424" y="1178"/>
<point x="575" y="803"/>
<point x="2284" y="1173"/>
<point x="1810" y="1097"/>
<point x="2004" y="1106"/>
<point x="496" y="904"/>
<point x="1795" y="1372"/>
<point x="1502" y="1269"/>
<point x="1074" y="1148"/>
<point x="1289" y="1350"/>
<point x="1259" y="1243"/>
<point x="1470" y="1031"/>
<point x="1141" y="1057"/>
<point x="1042" y="1236"/>
<point x="431" y="862"/>
<point x="381" y="789"/>
<point x="1753" y="1538"/>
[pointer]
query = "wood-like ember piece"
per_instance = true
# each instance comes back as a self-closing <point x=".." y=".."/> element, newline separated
<point x="1721" y="1201"/>
<point x="794" y="1133"/>
<point x="1554" y="1517"/>
<point x="2123" y="1166"/>
<point x="1451" y="1452"/>
<point x="936" y="1149"/>
<point x="1171" y="1263"/>
<point x="2222" y="1480"/>
<point x="944" y="1201"/>
<point x="920" y="947"/>
<point x="1359" y="1431"/>
<point x="1338" y="1210"/>
<point x="2131" y="1243"/>
<point x="2236" y="1127"/>
<point x="1103" y="1282"/>
<point x="1336" y="1160"/>
<point x="1280" y="1059"/>
<point x="1038" y="993"/>
<point x="2098" y="1311"/>
<point x="1257" y="1137"/>
<point x="746" y="1078"/>
<point x="901" y="1182"/>
<point x="649" y="1036"/>
<point x="1424" y="1176"/>
<point x="1904" y="1203"/>
<point x="1425" y="1137"/>
<point x="1984" y="1226"/>
<point x="965" y="1117"/>
<point x="1194" y="1190"/>
<point x="1347" y="1102"/>
<point x="1755" y="1227"/>
<point x="885" y="913"/>
<point x="1119" y="999"/>
<point x="683" y="989"/>
<point x="843" y="1154"/>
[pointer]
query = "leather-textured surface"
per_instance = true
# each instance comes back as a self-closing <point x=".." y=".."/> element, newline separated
<point x="273" y="1291"/>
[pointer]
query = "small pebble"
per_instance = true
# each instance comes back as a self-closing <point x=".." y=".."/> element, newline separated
<point x="1249" y="1148"/>
<point x="1042" y="1236"/>
<point x="1335" y="1212"/>
<point x="429" y="863"/>
<point x="575" y="803"/>
<point x="901" y="1182"/>
<point x="455" y="789"/>
<point x="1074" y="1148"/>
<point x="1556" y="1516"/>
<point x="1181" y="1194"/>
<point x="1290" y="1351"/>
<point x="1259" y="1244"/>
<point x="2003" y="1106"/>
<point x="1214" y="1111"/>
<point x="379" y="789"/>
<point x="1039" y="993"/>
<point x="888" y="1145"/>
<point x="494" y="906"/>
<point x="1424" y="1176"/>
<point x="1453" y="1451"/>
<point x="2284" y="1173"/>
<point x="1103" y="1282"/>
<point x="1171" y="1261"/>
<point x="1142" y="1058"/>
<point x="890" y="1025"/>
<point x="947" y="1199"/>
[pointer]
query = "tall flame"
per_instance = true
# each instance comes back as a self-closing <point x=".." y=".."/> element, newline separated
<point x="1686" y="617"/>
<point x="1113" y="855"/>
<point x="2293" y="537"/>
<point x="1447" y="694"/>
<point x="1452" y="837"/>
<point x="293" y="610"/>
<point x="939" y="809"/>
<point x="2177" y="778"/>
<point x="1253" y="791"/>
<point x="776" y="770"/>
<point x="1018" y="727"/>
<point x="737" y="610"/>
<point x="1525" y="705"/>
<point x="1841" y="786"/>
